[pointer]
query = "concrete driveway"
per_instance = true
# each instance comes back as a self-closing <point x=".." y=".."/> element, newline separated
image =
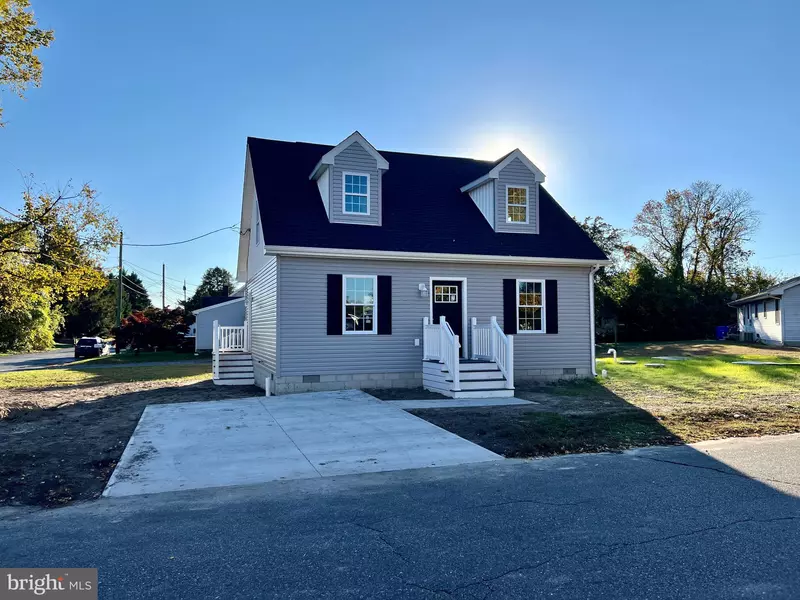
<point x="235" y="442"/>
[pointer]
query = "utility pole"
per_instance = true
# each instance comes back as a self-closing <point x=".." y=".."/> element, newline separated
<point x="163" y="281"/>
<point x="184" y="292"/>
<point x="119" y="294"/>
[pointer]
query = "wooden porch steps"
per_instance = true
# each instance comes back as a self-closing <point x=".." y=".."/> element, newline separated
<point x="478" y="379"/>
<point x="235" y="368"/>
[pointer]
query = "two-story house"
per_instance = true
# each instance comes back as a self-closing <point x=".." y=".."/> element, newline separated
<point x="368" y="269"/>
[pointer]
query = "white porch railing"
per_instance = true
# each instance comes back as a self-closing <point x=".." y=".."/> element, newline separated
<point x="490" y="342"/>
<point x="481" y="338"/>
<point x="440" y="343"/>
<point x="227" y="338"/>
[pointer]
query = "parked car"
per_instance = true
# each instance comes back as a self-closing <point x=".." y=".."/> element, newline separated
<point x="90" y="347"/>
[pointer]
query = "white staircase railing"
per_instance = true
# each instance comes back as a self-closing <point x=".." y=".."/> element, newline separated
<point x="440" y="343"/>
<point x="490" y="342"/>
<point x="502" y="351"/>
<point x="450" y="352"/>
<point x="430" y="340"/>
<point x="481" y="339"/>
<point x="225" y="338"/>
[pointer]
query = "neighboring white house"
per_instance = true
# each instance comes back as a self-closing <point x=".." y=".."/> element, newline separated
<point x="771" y="316"/>
<point x="229" y="314"/>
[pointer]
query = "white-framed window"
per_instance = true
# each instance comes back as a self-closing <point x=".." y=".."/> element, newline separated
<point x="530" y="306"/>
<point x="356" y="193"/>
<point x="517" y="204"/>
<point x="446" y="293"/>
<point x="359" y="304"/>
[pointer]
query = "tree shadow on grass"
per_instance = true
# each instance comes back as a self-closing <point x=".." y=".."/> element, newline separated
<point x="59" y="455"/>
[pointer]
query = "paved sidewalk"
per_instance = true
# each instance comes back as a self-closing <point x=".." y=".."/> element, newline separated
<point x="458" y="403"/>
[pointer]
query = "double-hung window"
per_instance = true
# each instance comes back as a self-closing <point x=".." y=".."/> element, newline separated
<point x="360" y="307"/>
<point x="516" y="204"/>
<point x="530" y="306"/>
<point x="356" y="194"/>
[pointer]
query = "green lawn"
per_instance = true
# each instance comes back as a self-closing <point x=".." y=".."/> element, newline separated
<point x="704" y="397"/>
<point x="48" y="378"/>
<point x="131" y="357"/>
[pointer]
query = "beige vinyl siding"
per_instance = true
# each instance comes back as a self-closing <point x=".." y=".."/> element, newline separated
<point x="355" y="159"/>
<point x="484" y="198"/>
<point x="306" y="349"/>
<point x="516" y="173"/>
<point x="790" y="315"/>
<point x="263" y="319"/>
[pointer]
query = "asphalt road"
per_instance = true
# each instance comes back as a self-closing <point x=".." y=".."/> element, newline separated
<point x="716" y="521"/>
<point x="36" y="360"/>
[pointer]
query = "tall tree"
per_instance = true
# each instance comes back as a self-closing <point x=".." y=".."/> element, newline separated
<point x="135" y="292"/>
<point x="216" y="281"/>
<point x="50" y="254"/>
<point x="667" y="227"/>
<point x="699" y="234"/>
<point x="20" y="38"/>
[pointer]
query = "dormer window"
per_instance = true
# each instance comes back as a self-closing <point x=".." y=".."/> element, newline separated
<point x="356" y="193"/>
<point x="517" y="203"/>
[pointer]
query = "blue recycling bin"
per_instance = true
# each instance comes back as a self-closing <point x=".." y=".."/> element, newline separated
<point x="722" y="332"/>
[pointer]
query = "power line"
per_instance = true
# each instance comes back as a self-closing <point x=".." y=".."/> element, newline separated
<point x="230" y="227"/>
<point x="130" y="264"/>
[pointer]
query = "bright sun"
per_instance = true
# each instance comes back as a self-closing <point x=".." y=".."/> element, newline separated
<point x="491" y="145"/>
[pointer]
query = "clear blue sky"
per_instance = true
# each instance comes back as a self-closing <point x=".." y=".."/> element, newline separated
<point x="615" y="101"/>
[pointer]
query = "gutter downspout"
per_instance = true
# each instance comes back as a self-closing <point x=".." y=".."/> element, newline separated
<point x="592" y="271"/>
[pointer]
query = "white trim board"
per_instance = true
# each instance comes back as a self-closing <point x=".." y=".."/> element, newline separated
<point x="328" y="158"/>
<point x="463" y="335"/>
<point x="306" y="251"/>
<point x="495" y="172"/>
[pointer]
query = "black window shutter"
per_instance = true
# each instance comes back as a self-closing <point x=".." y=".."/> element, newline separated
<point x="384" y="305"/>
<point x="510" y="306"/>
<point x="335" y="316"/>
<point x="551" y="305"/>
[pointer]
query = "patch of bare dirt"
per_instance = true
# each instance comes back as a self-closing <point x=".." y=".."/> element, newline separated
<point x="59" y="446"/>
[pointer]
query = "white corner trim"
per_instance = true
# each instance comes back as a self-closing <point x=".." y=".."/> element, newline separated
<point x="344" y="193"/>
<point x="305" y="251"/>
<point x="328" y="157"/>
<point x="543" y="307"/>
<point x="221" y="304"/>
<point x="495" y="172"/>
<point x="245" y="222"/>
<point x="527" y="189"/>
<point x="592" y="356"/>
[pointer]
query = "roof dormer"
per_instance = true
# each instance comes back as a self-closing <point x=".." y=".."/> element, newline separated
<point x="508" y="195"/>
<point x="349" y="181"/>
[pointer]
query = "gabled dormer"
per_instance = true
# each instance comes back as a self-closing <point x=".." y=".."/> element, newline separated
<point x="349" y="180"/>
<point x="508" y="195"/>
